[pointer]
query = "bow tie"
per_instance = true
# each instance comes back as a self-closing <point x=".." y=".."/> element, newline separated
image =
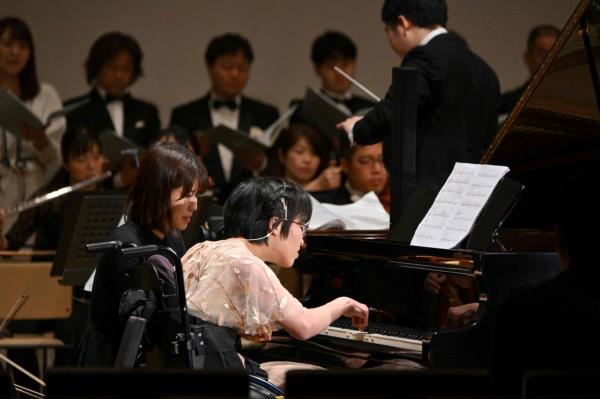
<point x="231" y="104"/>
<point x="111" y="97"/>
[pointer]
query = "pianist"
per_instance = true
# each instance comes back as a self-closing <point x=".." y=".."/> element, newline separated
<point x="229" y="283"/>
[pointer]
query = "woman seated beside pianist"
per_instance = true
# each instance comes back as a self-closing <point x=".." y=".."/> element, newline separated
<point x="228" y="282"/>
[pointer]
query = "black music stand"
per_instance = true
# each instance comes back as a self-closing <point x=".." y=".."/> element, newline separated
<point x="485" y="229"/>
<point x="89" y="218"/>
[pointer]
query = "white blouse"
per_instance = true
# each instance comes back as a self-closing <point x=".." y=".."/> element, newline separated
<point x="19" y="182"/>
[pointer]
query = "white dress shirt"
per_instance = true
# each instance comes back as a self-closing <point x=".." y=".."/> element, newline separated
<point x="230" y="118"/>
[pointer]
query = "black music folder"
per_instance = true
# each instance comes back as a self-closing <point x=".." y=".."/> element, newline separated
<point x="116" y="148"/>
<point x="252" y="142"/>
<point x="323" y="112"/>
<point x="14" y="113"/>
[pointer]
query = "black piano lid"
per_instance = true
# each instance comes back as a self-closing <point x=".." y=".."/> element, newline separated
<point x="554" y="130"/>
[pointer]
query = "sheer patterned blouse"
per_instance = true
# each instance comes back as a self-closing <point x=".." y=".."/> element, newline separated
<point x="227" y="285"/>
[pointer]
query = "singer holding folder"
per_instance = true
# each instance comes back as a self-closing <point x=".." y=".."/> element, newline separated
<point x="28" y="158"/>
<point x="458" y="93"/>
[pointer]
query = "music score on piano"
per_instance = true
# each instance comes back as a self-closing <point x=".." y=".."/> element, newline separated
<point x="390" y="336"/>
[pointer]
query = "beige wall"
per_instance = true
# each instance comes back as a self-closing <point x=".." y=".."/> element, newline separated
<point x="174" y="33"/>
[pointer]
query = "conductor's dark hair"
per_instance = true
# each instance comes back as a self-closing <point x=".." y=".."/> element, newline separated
<point x="78" y="141"/>
<point x="28" y="80"/>
<point x="164" y="167"/>
<point x="578" y="216"/>
<point x="540" y="31"/>
<point x="332" y="46"/>
<point x="289" y="137"/>
<point x="228" y="44"/>
<point x="422" y="13"/>
<point x="106" y="48"/>
<point x="252" y="204"/>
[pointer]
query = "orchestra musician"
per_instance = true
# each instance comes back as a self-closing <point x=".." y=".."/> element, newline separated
<point x="159" y="206"/>
<point x="82" y="160"/>
<point x="458" y="93"/>
<point x="228" y="282"/>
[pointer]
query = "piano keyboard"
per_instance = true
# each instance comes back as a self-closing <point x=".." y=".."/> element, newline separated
<point x="379" y="334"/>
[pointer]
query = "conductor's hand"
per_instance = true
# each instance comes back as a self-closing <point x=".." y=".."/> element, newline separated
<point x="433" y="282"/>
<point x="329" y="179"/>
<point x="357" y="312"/>
<point x="346" y="125"/>
<point x="37" y="136"/>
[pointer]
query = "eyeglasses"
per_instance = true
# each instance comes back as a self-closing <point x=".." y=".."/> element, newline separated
<point x="303" y="226"/>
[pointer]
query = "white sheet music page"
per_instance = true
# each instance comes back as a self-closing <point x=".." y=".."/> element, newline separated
<point x="457" y="205"/>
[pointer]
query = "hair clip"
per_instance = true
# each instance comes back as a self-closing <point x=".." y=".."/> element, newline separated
<point x="284" y="206"/>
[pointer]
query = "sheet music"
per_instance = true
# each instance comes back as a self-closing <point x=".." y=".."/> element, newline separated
<point x="365" y="214"/>
<point x="457" y="205"/>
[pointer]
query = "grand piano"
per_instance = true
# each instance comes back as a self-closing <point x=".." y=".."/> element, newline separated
<point x="553" y="132"/>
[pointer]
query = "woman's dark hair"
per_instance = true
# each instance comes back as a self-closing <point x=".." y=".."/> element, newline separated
<point x="78" y="141"/>
<point x="254" y="202"/>
<point x="164" y="167"/>
<point x="422" y="13"/>
<point x="289" y="137"/>
<point x="28" y="79"/>
<point x="106" y="48"/>
<point x="227" y="44"/>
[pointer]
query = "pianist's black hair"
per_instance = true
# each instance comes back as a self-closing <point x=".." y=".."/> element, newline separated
<point x="423" y="13"/>
<point x="254" y="202"/>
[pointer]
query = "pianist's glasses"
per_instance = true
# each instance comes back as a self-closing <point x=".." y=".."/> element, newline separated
<point x="303" y="226"/>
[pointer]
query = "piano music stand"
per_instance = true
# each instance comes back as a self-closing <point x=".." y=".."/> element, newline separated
<point x="89" y="218"/>
<point x="485" y="229"/>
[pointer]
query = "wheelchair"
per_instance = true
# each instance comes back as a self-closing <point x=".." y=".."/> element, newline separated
<point x="159" y="333"/>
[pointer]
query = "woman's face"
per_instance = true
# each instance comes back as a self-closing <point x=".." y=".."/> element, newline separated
<point x="182" y="209"/>
<point x="14" y="55"/>
<point x="300" y="163"/>
<point x="287" y="249"/>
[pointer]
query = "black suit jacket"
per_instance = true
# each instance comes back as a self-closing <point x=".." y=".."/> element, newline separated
<point x="141" y="122"/>
<point x="458" y="97"/>
<point x="195" y="116"/>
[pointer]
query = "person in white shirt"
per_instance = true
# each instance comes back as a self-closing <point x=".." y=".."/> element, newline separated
<point x="28" y="158"/>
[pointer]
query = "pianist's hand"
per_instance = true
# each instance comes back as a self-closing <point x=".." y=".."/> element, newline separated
<point x="433" y="282"/>
<point x="462" y="315"/>
<point x="358" y="312"/>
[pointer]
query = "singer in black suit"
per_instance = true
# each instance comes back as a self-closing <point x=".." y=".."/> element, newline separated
<point x="113" y="65"/>
<point x="458" y="93"/>
<point x="228" y="59"/>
